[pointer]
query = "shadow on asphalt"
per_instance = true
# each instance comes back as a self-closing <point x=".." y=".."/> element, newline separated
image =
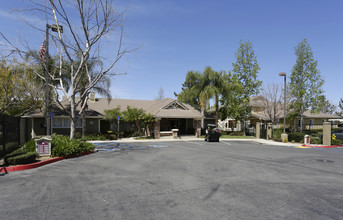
<point x="123" y="146"/>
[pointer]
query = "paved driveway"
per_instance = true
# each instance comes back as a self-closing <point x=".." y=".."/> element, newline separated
<point x="181" y="180"/>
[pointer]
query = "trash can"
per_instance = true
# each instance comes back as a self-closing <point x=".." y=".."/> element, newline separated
<point x="307" y="139"/>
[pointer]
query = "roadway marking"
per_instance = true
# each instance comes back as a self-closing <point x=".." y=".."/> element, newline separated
<point x="194" y="143"/>
<point x="225" y="143"/>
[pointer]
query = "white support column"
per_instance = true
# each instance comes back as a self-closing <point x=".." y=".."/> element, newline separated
<point x="32" y="128"/>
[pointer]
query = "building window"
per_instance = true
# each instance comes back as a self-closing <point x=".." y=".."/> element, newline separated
<point x="65" y="123"/>
<point x="311" y="123"/>
<point x="57" y="123"/>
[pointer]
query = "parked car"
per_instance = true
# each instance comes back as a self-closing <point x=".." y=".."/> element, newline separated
<point x="212" y="133"/>
<point x="338" y="133"/>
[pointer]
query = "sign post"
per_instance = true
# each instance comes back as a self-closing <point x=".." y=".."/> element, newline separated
<point x="118" y="120"/>
<point x="51" y="117"/>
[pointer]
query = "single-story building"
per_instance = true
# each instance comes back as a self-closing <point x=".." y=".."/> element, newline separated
<point x="170" y="114"/>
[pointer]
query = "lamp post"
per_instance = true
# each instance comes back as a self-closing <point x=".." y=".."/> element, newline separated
<point x="54" y="28"/>
<point x="284" y="135"/>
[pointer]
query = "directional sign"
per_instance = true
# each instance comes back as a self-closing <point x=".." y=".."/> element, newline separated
<point x="118" y="117"/>
<point x="52" y="114"/>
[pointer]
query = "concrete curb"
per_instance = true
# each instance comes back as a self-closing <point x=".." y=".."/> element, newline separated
<point x="39" y="164"/>
<point x="131" y="140"/>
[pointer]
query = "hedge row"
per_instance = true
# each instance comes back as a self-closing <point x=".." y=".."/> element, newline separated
<point x="11" y="146"/>
<point x="26" y="158"/>
<point x="22" y="155"/>
<point x="61" y="146"/>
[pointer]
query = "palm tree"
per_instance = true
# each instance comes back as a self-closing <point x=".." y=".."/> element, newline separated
<point x="199" y="88"/>
<point x="101" y="88"/>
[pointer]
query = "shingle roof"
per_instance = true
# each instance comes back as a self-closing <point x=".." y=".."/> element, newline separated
<point x="308" y="114"/>
<point x="166" y="108"/>
<point x="155" y="107"/>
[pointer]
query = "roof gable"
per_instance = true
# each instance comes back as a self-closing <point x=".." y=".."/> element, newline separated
<point x="175" y="105"/>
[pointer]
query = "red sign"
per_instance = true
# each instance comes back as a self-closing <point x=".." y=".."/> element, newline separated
<point x="43" y="148"/>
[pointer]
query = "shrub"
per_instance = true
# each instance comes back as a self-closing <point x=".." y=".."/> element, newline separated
<point x="277" y="134"/>
<point x="92" y="137"/>
<point x="336" y="142"/>
<point x="30" y="146"/>
<point x="296" y="136"/>
<point x="62" y="146"/>
<point x="28" y="157"/>
<point x="112" y="136"/>
<point x="236" y="133"/>
<point x="315" y="140"/>
<point x="10" y="147"/>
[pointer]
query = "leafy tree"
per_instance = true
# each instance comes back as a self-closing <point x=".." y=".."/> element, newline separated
<point x="111" y="115"/>
<point x="306" y="83"/>
<point x="133" y="114"/>
<point x="148" y="121"/>
<point x="191" y="89"/>
<point x="19" y="92"/>
<point x="215" y="87"/>
<point x="246" y="69"/>
<point x="199" y="88"/>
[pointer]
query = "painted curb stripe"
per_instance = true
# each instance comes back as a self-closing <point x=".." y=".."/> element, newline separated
<point x="333" y="146"/>
<point x="41" y="163"/>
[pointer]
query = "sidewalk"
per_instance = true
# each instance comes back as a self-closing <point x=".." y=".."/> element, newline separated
<point x="192" y="138"/>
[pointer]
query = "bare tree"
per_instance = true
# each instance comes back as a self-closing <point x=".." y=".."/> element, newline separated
<point x="86" y="24"/>
<point x="271" y="103"/>
<point x="160" y="94"/>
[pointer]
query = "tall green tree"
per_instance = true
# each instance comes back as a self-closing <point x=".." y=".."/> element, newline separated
<point x="306" y="83"/>
<point x="231" y="99"/>
<point x="215" y="87"/>
<point x="246" y="69"/>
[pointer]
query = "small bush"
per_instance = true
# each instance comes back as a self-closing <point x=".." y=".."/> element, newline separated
<point x="277" y="134"/>
<point x="30" y="146"/>
<point x="62" y="146"/>
<point x="26" y="158"/>
<point x="336" y="142"/>
<point x="112" y="136"/>
<point x="315" y="140"/>
<point x="78" y="135"/>
<point x="10" y="147"/>
<point x="296" y="136"/>
<point x="93" y="137"/>
<point x="236" y="133"/>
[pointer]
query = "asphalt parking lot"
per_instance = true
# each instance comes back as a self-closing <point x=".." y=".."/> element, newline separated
<point x="181" y="180"/>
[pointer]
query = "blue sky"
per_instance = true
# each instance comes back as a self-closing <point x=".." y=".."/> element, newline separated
<point x="174" y="37"/>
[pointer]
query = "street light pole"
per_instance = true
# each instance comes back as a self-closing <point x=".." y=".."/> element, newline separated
<point x="47" y="92"/>
<point x="284" y="102"/>
<point x="54" y="28"/>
